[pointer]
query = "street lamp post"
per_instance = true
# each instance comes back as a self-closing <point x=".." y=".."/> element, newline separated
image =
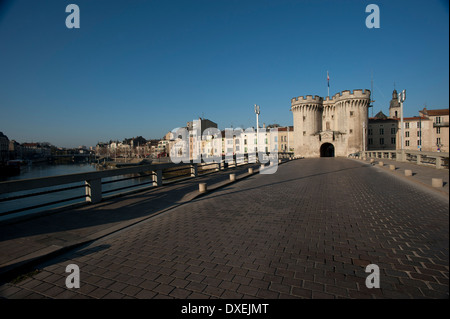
<point x="420" y="133"/>
<point x="401" y="99"/>
<point x="364" y="139"/>
<point x="257" y="124"/>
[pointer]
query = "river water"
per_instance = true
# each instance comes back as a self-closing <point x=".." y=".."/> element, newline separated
<point x="44" y="170"/>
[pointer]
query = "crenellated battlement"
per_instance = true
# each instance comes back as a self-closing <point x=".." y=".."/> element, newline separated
<point x="346" y="94"/>
<point x="306" y="99"/>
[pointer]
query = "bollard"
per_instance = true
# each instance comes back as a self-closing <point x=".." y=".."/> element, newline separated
<point x="250" y="170"/>
<point x="408" y="172"/>
<point x="279" y="161"/>
<point x="392" y="167"/>
<point x="372" y="160"/>
<point x="381" y="163"/>
<point x="232" y="177"/>
<point x="202" y="187"/>
<point x="93" y="190"/>
<point x="437" y="182"/>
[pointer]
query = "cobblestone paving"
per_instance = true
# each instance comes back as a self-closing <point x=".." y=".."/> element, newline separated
<point x="307" y="231"/>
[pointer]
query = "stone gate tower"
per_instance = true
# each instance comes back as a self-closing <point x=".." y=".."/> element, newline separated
<point x="330" y="127"/>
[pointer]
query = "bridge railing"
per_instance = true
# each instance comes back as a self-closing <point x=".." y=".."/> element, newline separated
<point x="91" y="187"/>
<point x="439" y="160"/>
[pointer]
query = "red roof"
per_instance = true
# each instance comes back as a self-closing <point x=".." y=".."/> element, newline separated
<point x="415" y="118"/>
<point x="439" y="112"/>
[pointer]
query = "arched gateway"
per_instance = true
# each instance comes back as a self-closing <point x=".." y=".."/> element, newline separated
<point x="327" y="150"/>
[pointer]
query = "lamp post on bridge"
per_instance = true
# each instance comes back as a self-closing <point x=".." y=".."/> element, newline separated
<point x="257" y="125"/>
<point x="401" y="99"/>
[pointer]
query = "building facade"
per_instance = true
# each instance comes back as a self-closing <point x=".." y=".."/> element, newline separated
<point x="285" y="139"/>
<point x="428" y="132"/>
<point x="382" y="132"/>
<point x="331" y="126"/>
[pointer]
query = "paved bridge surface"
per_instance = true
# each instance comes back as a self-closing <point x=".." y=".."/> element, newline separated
<point x="307" y="231"/>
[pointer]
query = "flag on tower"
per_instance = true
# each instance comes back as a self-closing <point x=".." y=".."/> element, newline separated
<point x="328" y="80"/>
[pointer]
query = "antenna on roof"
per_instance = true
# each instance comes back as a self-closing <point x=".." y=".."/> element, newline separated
<point x="371" y="93"/>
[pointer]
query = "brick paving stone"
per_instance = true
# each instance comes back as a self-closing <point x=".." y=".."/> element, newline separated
<point x="267" y="294"/>
<point x="213" y="291"/>
<point x="280" y="288"/>
<point x="100" y="292"/>
<point x="114" y="295"/>
<point x="247" y="290"/>
<point x="180" y="293"/>
<point x="322" y="295"/>
<point x="163" y="289"/>
<point x="196" y="295"/>
<point x="196" y="286"/>
<point x="301" y="292"/>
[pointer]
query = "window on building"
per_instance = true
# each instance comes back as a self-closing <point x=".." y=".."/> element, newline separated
<point x="351" y="131"/>
<point x="351" y="113"/>
<point x="419" y="133"/>
<point x="419" y="142"/>
<point x="419" y="124"/>
<point x="407" y="143"/>
<point x="245" y="142"/>
<point x="381" y="141"/>
<point x="438" y="141"/>
<point x="381" y="131"/>
<point x="407" y="134"/>
<point x="276" y="139"/>
<point x="438" y="130"/>
<point x="438" y="119"/>
<point x="407" y="125"/>
<point x="370" y="141"/>
<point x="393" y="140"/>
<point x="370" y="131"/>
<point x="393" y="130"/>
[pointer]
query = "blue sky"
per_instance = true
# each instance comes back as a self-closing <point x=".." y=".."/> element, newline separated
<point x="146" y="67"/>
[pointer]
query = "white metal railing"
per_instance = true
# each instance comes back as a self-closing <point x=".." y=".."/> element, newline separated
<point x="93" y="184"/>
<point x="439" y="160"/>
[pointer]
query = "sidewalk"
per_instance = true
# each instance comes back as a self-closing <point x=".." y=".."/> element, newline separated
<point x="27" y="242"/>
<point x="420" y="174"/>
